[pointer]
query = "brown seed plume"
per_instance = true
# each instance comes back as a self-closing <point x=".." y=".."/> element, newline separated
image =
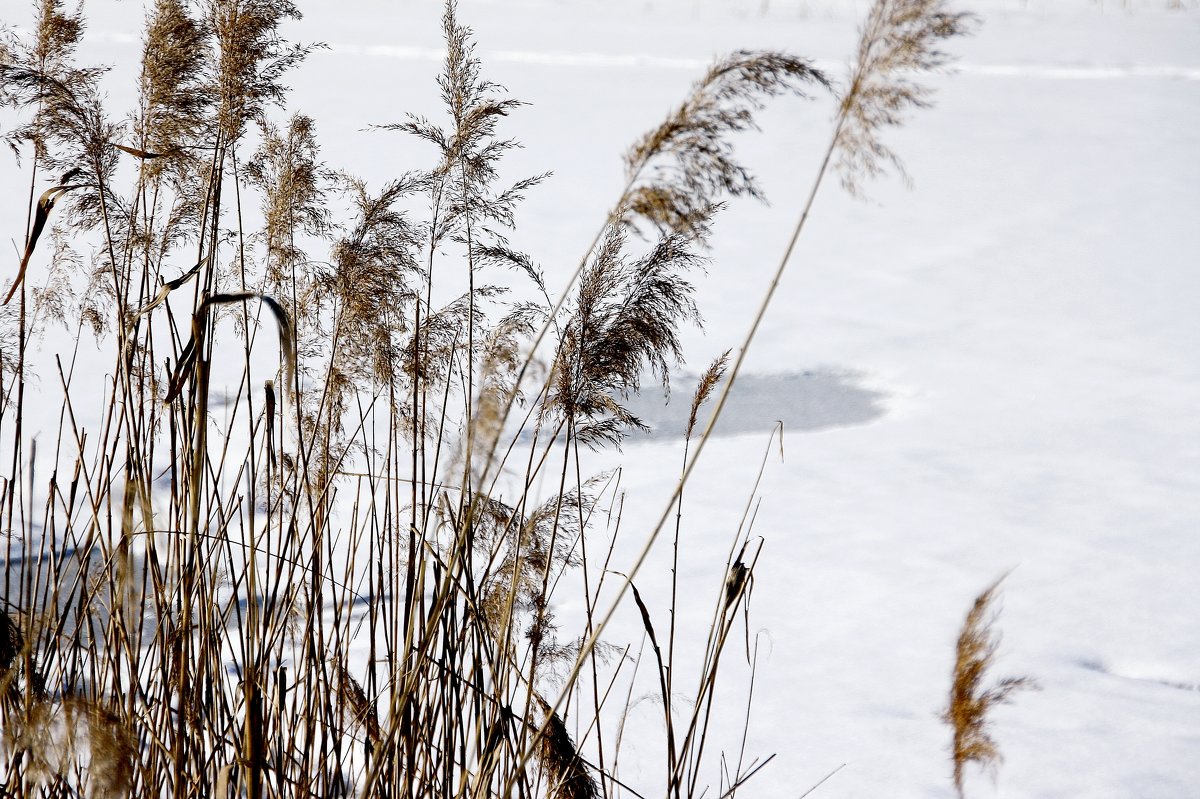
<point x="680" y="170"/>
<point x="569" y="777"/>
<point x="900" y="40"/>
<point x="708" y="382"/>
<point x="970" y="701"/>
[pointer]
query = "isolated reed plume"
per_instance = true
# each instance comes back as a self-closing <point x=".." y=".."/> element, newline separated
<point x="970" y="701"/>
<point x="900" y="41"/>
<point x="707" y="384"/>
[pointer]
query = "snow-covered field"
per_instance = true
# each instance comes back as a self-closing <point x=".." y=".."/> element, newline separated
<point x="996" y="370"/>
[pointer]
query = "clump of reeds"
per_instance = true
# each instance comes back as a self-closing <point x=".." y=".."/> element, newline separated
<point x="354" y="584"/>
<point x="972" y="696"/>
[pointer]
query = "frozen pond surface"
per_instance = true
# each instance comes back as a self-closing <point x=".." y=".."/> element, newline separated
<point x="814" y="399"/>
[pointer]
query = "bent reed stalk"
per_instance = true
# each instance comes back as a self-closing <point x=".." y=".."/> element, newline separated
<point x="351" y="588"/>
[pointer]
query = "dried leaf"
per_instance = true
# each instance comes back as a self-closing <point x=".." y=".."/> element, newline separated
<point x="187" y="359"/>
<point x="143" y="154"/>
<point x="167" y="288"/>
<point x="44" y="205"/>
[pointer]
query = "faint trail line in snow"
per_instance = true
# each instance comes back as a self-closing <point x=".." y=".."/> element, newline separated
<point x="564" y="58"/>
<point x="1080" y="71"/>
<point x="554" y="58"/>
<point x="600" y="59"/>
<point x="1138" y="675"/>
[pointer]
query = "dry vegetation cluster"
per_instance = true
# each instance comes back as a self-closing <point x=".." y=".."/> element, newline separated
<point x="342" y="579"/>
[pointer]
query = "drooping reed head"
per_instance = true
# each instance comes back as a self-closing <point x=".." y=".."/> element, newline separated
<point x="680" y="170"/>
<point x="568" y="775"/>
<point x="901" y="40"/>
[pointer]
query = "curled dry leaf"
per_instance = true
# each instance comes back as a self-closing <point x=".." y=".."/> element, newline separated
<point x="187" y="359"/>
<point x="145" y="155"/>
<point x="45" y="204"/>
<point x="167" y="288"/>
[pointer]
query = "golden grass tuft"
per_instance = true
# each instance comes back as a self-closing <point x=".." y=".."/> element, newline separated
<point x="971" y="698"/>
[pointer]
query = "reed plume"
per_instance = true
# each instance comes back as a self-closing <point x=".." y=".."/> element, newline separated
<point x="624" y="322"/>
<point x="251" y="59"/>
<point x="375" y="269"/>
<point x="287" y="169"/>
<point x="900" y="41"/>
<point x="41" y="69"/>
<point x="708" y="383"/>
<point x="971" y="700"/>
<point x="67" y="128"/>
<point x="679" y="171"/>
<point x="175" y="97"/>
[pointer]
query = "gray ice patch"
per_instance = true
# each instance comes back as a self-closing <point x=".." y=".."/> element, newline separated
<point x="815" y="399"/>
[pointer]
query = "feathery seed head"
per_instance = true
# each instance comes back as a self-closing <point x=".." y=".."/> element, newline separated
<point x="900" y="40"/>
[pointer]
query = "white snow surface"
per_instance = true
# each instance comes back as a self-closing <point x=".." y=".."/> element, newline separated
<point x="1028" y="312"/>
